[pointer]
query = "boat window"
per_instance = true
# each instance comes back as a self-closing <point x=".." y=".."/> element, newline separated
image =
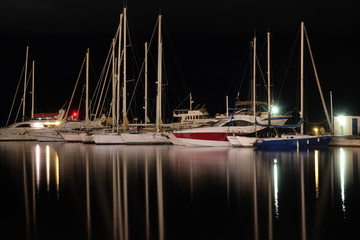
<point x="238" y="123"/>
<point x="25" y="125"/>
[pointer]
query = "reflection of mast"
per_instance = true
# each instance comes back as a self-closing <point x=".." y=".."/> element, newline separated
<point x="126" y="223"/>
<point x="256" y="227"/>
<point x="147" y="214"/>
<point x="160" y="194"/>
<point x="303" y="216"/>
<point x="88" y="212"/>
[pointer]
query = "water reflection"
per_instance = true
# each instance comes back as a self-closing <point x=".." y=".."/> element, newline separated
<point x="276" y="190"/>
<point x="342" y="178"/>
<point x="170" y="192"/>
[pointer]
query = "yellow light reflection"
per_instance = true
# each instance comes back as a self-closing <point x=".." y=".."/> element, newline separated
<point x="276" y="190"/>
<point x="317" y="173"/>
<point x="342" y="178"/>
<point x="37" y="157"/>
<point x="48" y="167"/>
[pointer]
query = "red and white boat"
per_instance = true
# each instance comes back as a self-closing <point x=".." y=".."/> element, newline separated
<point x="216" y="135"/>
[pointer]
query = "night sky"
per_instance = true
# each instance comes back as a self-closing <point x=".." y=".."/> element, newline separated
<point x="206" y="44"/>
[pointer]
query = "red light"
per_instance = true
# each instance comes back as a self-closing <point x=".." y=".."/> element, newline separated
<point x="74" y="114"/>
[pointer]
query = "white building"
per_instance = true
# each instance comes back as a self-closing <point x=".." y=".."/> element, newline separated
<point x="346" y="125"/>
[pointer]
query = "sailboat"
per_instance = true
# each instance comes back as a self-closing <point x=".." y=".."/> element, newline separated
<point x="299" y="140"/>
<point x="114" y="137"/>
<point x="156" y="137"/>
<point x="23" y="131"/>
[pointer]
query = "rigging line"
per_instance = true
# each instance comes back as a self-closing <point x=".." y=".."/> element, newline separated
<point x="288" y="66"/>
<point x="182" y="101"/>
<point x="238" y="93"/>
<point x="17" y="88"/>
<point x="315" y="123"/>
<point x="102" y="90"/>
<point x="82" y="94"/>
<point x="261" y="72"/>
<point x="77" y="81"/>
<point x="28" y="79"/>
<point x="96" y="96"/>
<point x="142" y="66"/>
<point x="175" y="58"/>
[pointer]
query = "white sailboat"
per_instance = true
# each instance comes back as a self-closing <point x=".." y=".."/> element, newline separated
<point x="23" y="131"/>
<point x="156" y="137"/>
<point x="114" y="137"/>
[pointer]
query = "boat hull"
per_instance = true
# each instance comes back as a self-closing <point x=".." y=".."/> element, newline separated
<point x="108" y="139"/>
<point x="47" y="135"/>
<point x="149" y="138"/>
<point x="302" y="141"/>
<point x="241" y="141"/>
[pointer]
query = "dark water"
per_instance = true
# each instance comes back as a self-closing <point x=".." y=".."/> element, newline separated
<point x="75" y="191"/>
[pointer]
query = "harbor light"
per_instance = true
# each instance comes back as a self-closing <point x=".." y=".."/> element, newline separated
<point x="316" y="131"/>
<point x="342" y="120"/>
<point x="274" y="110"/>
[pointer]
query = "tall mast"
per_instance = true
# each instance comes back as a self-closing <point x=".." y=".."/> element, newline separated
<point x="268" y="76"/>
<point x="118" y="76"/>
<point x="318" y="83"/>
<point x="25" y="80"/>
<point x="33" y="89"/>
<point x="113" y="109"/>
<point x="302" y="77"/>
<point x="159" y="82"/>
<point x="87" y="90"/>
<point x="125" y="120"/>
<point x="254" y="78"/>
<point x="146" y="84"/>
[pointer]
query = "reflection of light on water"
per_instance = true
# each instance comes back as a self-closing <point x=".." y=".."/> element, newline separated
<point x="342" y="177"/>
<point x="37" y="156"/>
<point x="317" y="173"/>
<point x="57" y="175"/>
<point x="48" y="167"/>
<point x="276" y="200"/>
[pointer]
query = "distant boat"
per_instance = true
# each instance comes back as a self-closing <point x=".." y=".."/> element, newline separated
<point x="39" y="122"/>
<point x="24" y="131"/>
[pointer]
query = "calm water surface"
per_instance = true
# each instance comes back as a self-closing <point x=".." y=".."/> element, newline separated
<point x="76" y="191"/>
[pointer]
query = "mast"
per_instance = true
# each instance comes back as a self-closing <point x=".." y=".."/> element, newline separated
<point x="33" y="89"/>
<point x="254" y="78"/>
<point x="87" y="90"/>
<point x="25" y="80"/>
<point x="113" y="86"/>
<point x="159" y="82"/>
<point x="227" y="105"/>
<point x="146" y="84"/>
<point x="125" y="120"/>
<point x="318" y="83"/>
<point x="302" y="77"/>
<point x="268" y="76"/>
<point x="118" y="76"/>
